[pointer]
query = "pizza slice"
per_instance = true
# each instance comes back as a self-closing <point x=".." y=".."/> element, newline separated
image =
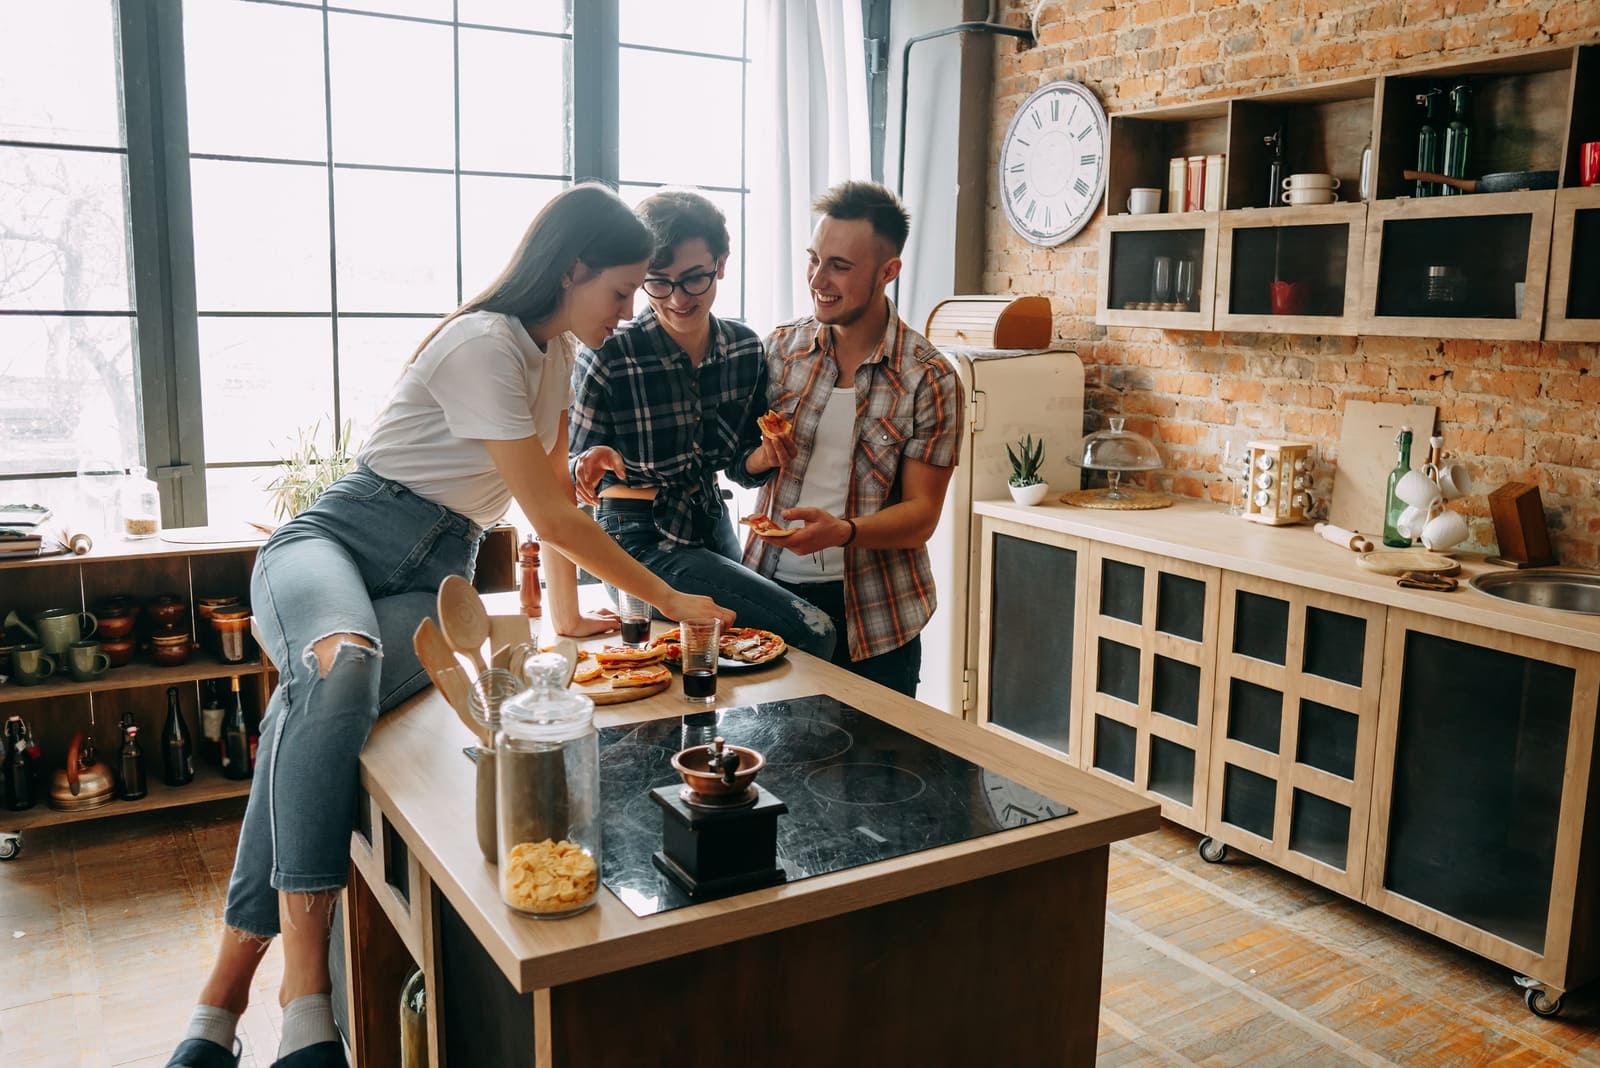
<point x="774" y="424"/>
<point x="588" y="671"/>
<point x="766" y="528"/>
<point x="620" y="656"/>
<point x="750" y="645"/>
<point x="649" y="675"/>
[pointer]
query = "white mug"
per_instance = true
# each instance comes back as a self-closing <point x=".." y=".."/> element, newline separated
<point x="1411" y="521"/>
<point x="1454" y="480"/>
<point x="1416" y="488"/>
<point x="1144" y="201"/>
<point x="1311" y="181"/>
<point x="1444" y="531"/>
<point x="1310" y="196"/>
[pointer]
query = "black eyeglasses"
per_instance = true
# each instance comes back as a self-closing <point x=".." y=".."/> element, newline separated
<point x="694" y="285"/>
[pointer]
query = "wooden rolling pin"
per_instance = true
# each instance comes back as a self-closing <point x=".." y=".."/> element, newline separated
<point x="1345" y="539"/>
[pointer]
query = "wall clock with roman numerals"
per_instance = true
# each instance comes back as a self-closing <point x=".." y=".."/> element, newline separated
<point x="1053" y="163"/>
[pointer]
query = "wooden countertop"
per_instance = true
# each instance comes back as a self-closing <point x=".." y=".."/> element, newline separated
<point x="1205" y="534"/>
<point x="414" y="767"/>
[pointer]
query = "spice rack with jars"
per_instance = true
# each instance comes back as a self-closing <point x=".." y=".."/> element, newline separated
<point x="1364" y="257"/>
<point x="58" y="707"/>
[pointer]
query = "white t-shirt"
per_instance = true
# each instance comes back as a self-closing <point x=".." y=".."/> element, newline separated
<point x="481" y="378"/>
<point x="827" y="486"/>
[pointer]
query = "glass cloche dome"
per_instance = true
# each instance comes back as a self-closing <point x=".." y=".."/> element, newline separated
<point x="1116" y="451"/>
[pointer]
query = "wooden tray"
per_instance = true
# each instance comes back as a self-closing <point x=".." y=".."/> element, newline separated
<point x="1397" y="561"/>
<point x="601" y="693"/>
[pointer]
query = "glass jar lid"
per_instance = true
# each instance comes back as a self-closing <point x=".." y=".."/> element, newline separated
<point x="547" y="711"/>
<point x="1117" y="449"/>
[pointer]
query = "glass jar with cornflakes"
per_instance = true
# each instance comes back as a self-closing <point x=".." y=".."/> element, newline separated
<point x="547" y="795"/>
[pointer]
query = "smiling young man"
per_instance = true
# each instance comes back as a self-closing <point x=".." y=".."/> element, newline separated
<point x="876" y="416"/>
<point x="669" y="400"/>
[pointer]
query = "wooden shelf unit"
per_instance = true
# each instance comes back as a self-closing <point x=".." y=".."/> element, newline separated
<point x="1572" y="310"/>
<point x="1321" y="247"/>
<point x="1531" y="109"/>
<point x="59" y="707"/>
<point x="1129" y="245"/>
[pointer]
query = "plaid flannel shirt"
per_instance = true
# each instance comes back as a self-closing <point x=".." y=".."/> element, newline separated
<point x="908" y="405"/>
<point x="676" y="425"/>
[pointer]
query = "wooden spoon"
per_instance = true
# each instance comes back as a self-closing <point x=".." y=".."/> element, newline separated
<point x="439" y="660"/>
<point x="463" y="619"/>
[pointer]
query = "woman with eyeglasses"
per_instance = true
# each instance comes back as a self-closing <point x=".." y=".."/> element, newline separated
<point x="477" y="418"/>
<point x="670" y="400"/>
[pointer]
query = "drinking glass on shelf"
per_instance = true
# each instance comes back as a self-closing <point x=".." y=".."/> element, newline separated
<point x="1161" y="280"/>
<point x="1183" y="282"/>
<point x="100" y="481"/>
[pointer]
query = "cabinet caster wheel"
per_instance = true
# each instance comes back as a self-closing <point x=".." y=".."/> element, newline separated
<point x="1212" y="851"/>
<point x="1541" y="1004"/>
<point x="10" y="846"/>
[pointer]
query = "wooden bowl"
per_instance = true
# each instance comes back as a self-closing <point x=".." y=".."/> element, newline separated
<point x="166" y="609"/>
<point x="691" y="765"/>
<point x="118" y="650"/>
<point x="115" y="626"/>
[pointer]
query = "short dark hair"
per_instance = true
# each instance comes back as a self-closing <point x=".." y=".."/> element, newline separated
<point x="678" y="215"/>
<point x="870" y="201"/>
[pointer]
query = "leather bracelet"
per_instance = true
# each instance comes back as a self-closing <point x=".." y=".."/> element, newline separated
<point x="852" y="536"/>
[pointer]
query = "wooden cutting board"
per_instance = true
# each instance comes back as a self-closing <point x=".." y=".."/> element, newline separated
<point x="1366" y="455"/>
<point x="601" y="693"/>
<point x="1397" y="561"/>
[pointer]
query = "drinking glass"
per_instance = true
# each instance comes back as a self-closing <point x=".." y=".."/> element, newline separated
<point x="100" y="480"/>
<point x="1161" y="280"/>
<point x="1183" y="282"/>
<point x="635" y="615"/>
<point x="1230" y="471"/>
<point x="702" y="639"/>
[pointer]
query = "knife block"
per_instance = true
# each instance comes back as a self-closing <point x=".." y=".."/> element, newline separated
<point x="1519" y="527"/>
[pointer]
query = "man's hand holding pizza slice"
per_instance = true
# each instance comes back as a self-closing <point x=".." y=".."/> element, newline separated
<point x="777" y="443"/>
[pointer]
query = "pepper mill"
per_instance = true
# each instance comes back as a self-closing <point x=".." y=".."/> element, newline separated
<point x="528" y="571"/>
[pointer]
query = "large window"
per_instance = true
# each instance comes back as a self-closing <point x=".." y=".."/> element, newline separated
<point x="331" y="179"/>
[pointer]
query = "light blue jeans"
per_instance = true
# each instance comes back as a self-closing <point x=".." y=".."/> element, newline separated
<point x="366" y="559"/>
<point x="715" y="572"/>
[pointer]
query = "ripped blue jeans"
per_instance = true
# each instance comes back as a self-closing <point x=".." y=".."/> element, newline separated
<point x="717" y="573"/>
<point x="366" y="559"/>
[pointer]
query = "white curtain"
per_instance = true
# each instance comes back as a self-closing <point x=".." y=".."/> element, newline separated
<point x="806" y="130"/>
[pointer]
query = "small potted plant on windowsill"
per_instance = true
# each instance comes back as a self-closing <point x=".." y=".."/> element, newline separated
<point x="308" y="470"/>
<point x="1026" y="485"/>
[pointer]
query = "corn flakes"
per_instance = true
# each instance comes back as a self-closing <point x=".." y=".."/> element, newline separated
<point x="548" y="876"/>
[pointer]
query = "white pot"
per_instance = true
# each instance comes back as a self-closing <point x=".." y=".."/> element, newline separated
<point x="1029" y="494"/>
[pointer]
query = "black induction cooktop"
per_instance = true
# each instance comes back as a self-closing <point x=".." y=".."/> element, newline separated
<point x="858" y="790"/>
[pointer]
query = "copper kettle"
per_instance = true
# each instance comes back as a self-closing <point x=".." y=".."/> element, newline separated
<point x="84" y="781"/>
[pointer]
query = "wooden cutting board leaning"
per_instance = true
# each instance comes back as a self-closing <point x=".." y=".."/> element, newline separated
<point x="1366" y="456"/>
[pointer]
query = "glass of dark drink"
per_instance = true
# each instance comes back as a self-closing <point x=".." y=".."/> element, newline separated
<point x="701" y="640"/>
<point x="635" y="616"/>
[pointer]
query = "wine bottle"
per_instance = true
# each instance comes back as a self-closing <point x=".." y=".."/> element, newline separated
<point x="1428" y="142"/>
<point x="211" y="716"/>
<point x="1457" y="137"/>
<point x="17" y="773"/>
<point x="177" y="747"/>
<point x="236" y="748"/>
<point x="1393" y="503"/>
<point x="130" y="765"/>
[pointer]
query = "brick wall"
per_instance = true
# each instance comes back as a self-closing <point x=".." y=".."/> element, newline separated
<point x="1510" y="410"/>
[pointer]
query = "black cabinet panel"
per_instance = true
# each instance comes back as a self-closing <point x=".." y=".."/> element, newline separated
<point x="1122" y="591"/>
<point x="1030" y="643"/>
<point x="1248" y="800"/>
<point x="1176" y="690"/>
<point x="1320" y="829"/>
<point x="1255" y="714"/>
<point x="1171" y="770"/>
<point x="1181" y="606"/>
<point x="1115" y="744"/>
<point x="1480" y="754"/>
<point x="1117" y="670"/>
<point x="1261" y="627"/>
<point x="1327" y="739"/>
<point x="1334" y="645"/>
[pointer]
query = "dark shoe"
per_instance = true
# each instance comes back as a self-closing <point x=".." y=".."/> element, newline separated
<point x="321" y="1055"/>
<point x="203" y="1053"/>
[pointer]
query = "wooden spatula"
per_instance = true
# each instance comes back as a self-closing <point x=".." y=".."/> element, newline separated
<point x="440" y="662"/>
<point x="463" y="619"/>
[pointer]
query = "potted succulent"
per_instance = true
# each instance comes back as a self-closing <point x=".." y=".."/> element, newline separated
<point x="1026" y="485"/>
<point x="308" y="470"/>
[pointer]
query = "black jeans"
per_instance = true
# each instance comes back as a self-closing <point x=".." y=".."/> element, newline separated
<point x="899" y="669"/>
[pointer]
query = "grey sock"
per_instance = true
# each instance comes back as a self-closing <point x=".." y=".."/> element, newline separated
<point x="307" y="1020"/>
<point x="213" y="1025"/>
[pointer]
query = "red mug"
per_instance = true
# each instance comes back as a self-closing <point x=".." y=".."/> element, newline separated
<point x="1589" y="163"/>
<point x="1290" y="298"/>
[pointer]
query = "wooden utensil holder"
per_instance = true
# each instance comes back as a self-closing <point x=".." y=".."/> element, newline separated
<point x="1519" y="527"/>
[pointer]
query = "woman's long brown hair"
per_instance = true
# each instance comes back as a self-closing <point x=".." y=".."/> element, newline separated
<point x="588" y="227"/>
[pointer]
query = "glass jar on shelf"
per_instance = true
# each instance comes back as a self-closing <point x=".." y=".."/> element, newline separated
<point x="547" y="804"/>
<point x="141" y="506"/>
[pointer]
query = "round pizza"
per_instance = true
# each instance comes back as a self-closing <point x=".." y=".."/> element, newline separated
<point x="747" y="645"/>
<point x="766" y="528"/>
<point x="774" y="424"/>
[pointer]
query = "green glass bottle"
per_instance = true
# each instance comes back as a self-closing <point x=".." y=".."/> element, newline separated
<point x="1428" y="142"/>
<point x="1393" y="505"/>
<point x="1457" y="136"/>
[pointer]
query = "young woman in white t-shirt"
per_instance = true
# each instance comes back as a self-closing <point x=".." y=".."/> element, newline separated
<point x="478" y="417"/>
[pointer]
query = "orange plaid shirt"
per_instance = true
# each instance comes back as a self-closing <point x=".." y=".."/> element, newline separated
<point x="908" y="405"/>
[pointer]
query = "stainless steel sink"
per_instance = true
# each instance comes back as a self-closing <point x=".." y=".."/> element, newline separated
<point x="1561" y="588"/>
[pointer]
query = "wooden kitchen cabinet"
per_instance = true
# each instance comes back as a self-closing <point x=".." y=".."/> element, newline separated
<point x="1030" y="607"/>
<point x="1131" y="245"/>
<point x="1482" y="805"/>
<point x="1148" y="632"/>
<point x="1316" y="249"/>
<point x="1572" y="312"/>
<point x="1294" y="728"/>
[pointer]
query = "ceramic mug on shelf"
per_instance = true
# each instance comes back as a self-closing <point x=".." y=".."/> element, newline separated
<point x="1300" y="197"/>
<point x="1290" y="298"/>
<point x="1310" y="181"/>
<point x="1144" y="201"/>
<point x="60" y="627"/>
<point x="85" y="660"/>
<point x="1589" y="163"/>
<point x="29" y="664"/>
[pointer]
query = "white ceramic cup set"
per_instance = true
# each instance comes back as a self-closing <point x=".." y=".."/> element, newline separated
<point x="1310" y="189"/>
<point x="1144" y="201"/>
<point x="1425" y="493"/>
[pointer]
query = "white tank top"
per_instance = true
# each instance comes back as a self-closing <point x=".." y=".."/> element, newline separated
<point x="827" y="486"/>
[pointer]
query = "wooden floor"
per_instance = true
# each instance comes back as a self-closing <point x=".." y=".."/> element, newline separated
<point x="108" y="926"/>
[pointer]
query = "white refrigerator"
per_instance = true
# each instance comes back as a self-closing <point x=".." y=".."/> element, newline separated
<point x="1010" y="393"/>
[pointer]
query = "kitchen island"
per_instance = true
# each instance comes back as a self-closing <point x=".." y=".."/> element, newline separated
<point x="986" y="950"/>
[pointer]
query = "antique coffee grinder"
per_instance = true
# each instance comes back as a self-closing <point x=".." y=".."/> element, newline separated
<point x="719" y="830"/>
